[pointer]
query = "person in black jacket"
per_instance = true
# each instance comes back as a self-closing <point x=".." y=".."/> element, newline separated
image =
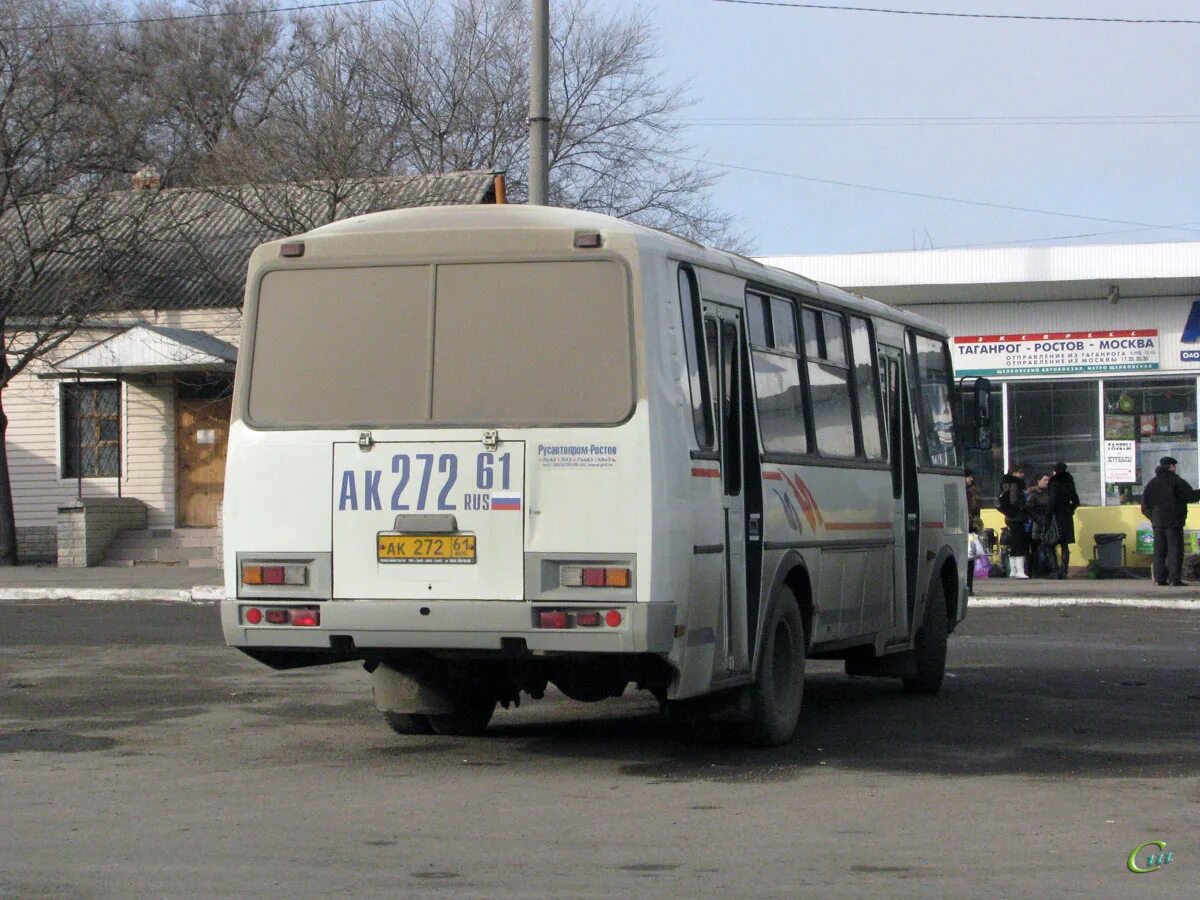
<point x="1164" y="503"/>
<point x="1011" y="503"/>
<point x="1063" y="502"/>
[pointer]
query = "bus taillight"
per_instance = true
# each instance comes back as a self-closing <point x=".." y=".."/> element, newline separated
<point x="553" y="618"/>
<point x="259" y="574"/>
<point x="594" y="576"/>
<point x="300" y="616"/>
<point x="578" y="618"/>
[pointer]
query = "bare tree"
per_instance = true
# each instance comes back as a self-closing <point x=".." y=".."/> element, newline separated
<point x="63" y="242"/>
<point x="185" y="85"/>
<point x="426" y="89"/>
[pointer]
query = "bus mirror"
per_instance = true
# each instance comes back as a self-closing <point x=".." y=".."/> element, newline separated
<point x="983" y="401"/>
<point x="983" y="414"/>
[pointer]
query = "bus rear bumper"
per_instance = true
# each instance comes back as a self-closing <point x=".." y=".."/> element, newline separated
<point x="452" y="625"/>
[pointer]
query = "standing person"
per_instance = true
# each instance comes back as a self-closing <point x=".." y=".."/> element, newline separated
<point x="1037" y="503"/>
<point x="974" y="522"/>
<point x="974" y="503"/>
<point x="1059" y="530"/>
<point x="1164" y="503"/>
<point x="1011" y="503"/>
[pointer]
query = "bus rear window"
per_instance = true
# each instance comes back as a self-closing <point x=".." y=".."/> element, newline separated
<point x="468" y="344"/>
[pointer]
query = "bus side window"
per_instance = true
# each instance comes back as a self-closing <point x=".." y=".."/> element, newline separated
<point x="933" y="393"/>
<point x="829" y="383"/>
<point x="775" y="359"/>
<point x="867" y="386"/>
<point x="731" y="424"/>
<point x="700" y="386"/>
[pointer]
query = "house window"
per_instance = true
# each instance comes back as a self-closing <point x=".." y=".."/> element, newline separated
<point x="91" y="429"/>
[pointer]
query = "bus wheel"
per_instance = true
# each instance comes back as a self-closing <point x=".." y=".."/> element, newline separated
<point x="408" y="723"/>
<point x="470" y="717"/>
<point x="777" y="692"/>
<point x="929" y="647"/>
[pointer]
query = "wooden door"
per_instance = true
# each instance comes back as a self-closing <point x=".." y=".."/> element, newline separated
<point x="201" y="437"/>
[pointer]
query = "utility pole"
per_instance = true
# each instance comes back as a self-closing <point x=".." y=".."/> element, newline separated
<point x="539" y="106"/>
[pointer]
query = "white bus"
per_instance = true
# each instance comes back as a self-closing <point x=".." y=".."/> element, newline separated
<point x="484" y="449"/>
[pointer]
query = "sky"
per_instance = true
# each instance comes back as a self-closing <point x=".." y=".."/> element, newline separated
<point x="746" y="62"/>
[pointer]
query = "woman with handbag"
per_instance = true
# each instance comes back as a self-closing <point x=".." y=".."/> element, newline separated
<point x="1064" y="500"/>
<point x="1011" y="503"/>
<point x="1037" y="502"/>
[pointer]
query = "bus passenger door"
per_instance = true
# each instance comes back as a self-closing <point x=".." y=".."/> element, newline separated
<point x="907" y="519"/>
<point x="727" y="376"/>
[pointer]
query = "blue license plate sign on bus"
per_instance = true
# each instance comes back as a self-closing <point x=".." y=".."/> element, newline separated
<point x="447" y="549"/>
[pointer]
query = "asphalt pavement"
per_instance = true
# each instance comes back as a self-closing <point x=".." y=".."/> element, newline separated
<point x="139" y="757"/>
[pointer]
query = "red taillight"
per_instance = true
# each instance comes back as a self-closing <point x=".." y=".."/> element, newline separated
<point x="587" y="619"/>
<point x="272" y="574"/>
<point x="306" y="617"/>
<point x="553" y="618"/>
<point x="612" y="618"/>
<point x="593" y="577"/>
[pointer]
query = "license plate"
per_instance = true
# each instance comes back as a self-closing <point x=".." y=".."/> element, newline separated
<point x="426" y="548"/>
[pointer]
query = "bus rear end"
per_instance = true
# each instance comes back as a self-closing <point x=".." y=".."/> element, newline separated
<point x="438" y="442"/>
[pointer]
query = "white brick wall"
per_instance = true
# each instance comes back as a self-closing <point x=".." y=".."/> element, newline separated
<point x="88" y="526"/>
<point x="37" y="544"/>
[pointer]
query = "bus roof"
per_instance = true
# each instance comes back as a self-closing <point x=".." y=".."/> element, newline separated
<point x="516" y="216"/>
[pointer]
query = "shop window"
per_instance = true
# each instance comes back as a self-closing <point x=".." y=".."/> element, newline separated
<point x="91" y="429"/>
<point x="1052" y="421"/>
<point x="1143" y="422"/>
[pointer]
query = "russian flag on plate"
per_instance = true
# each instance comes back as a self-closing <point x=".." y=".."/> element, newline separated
<point x="503" y="501"/>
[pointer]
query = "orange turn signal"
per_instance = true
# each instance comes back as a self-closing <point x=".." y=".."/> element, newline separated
<point x="618" y="578"/>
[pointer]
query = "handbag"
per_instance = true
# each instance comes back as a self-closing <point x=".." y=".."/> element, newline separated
<point x="1051" y="534"/>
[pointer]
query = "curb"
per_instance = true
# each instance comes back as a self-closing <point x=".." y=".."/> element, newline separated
<point x="204" y="593"/>
<point x="1129" y="602"/>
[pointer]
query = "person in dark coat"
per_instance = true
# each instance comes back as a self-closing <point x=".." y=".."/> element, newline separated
<point x="974" y="521"/>
<point x="1063" y="502"/>
<point x="1037" y="504"/>
<point x="1164" y="503"/>
<point x="1011" y="503"/>
<point x="974" y="503"/>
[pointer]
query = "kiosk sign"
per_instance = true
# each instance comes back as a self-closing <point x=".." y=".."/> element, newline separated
<point x="1056" y="353"/>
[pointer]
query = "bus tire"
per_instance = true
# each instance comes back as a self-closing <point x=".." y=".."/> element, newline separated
<point x="408" y="723"/>
<point x="929" y="646"/>
<point x="778" y="689"/>
<point x="470" y="717"/>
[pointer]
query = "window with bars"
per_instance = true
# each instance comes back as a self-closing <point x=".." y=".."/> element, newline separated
<point x="91" y="429"/>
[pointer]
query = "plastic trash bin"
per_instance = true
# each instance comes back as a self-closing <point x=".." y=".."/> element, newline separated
<point x="1110" y="550"/>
